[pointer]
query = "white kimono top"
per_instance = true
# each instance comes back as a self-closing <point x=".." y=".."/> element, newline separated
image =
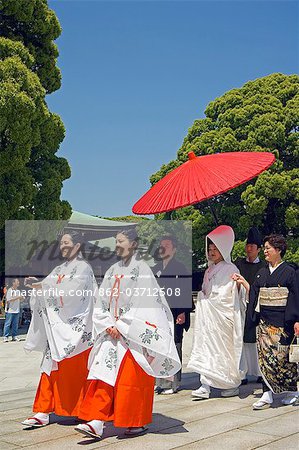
<point x="130" y="299"/>
<point x="61" y="324"/>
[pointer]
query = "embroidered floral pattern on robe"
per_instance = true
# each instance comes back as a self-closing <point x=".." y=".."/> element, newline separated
<point x="149" y="335"/>
<point x="57" y="316"/>
<point x="167" y="367"/>
<point x="77" y="323"/>
<point x="69" y="349"/>
<point x="278" y="372"/>
<point x="134" y="273"/>
<point x="111" y="359"/>
<point x="87" y="337"/>
<point x="133" y="315"/>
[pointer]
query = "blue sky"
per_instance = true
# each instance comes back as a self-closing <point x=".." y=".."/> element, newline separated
<point x="137" y="74"/>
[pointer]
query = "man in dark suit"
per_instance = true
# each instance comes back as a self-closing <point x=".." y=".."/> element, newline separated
<point x="173" y="277"/>
<point x="249" y="267"/>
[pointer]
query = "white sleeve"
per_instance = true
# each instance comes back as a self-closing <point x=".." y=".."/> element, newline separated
<point x="102" y="318"/>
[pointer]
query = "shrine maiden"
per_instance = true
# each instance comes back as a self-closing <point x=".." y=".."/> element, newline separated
<point x="61" y="328"/>
<point x="134" y="343"/>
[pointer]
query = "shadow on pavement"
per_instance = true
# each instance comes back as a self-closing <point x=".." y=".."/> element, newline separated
<point x="161" y="425"/>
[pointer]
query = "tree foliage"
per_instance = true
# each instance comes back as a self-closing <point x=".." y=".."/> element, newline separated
<point x="31" y="174"/>
<point x="263" y="115"/>
<point x="36" y="26"/>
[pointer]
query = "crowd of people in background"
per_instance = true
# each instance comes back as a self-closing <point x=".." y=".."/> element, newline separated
<point x="125" y="347"/>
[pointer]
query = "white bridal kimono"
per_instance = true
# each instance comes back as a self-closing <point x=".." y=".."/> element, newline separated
<point x="61" y="324"/>
<point x="219" y="320"/>
<point x="129" y="299"/>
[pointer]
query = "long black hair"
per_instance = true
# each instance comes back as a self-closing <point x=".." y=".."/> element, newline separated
<point x="76" y="236"/>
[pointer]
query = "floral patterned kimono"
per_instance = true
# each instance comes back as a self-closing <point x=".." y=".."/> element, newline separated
<point x="274" y="307"/>
<point x="61" y="328"/>
<point x="130" y="300"/>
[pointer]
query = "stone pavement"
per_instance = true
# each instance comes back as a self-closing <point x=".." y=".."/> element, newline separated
<point x="178" y="421"/>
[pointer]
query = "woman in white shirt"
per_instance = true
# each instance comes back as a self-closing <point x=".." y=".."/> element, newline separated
<point x="12" y="311"/>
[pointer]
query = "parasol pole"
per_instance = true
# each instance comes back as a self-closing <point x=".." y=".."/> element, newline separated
<point x="212" y="209"/>
<point x="192" y="156"/>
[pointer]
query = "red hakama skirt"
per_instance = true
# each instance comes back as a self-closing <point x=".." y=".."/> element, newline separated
<point x="129" y="403"/>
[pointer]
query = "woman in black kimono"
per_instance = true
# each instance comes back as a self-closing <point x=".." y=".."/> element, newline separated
<point x="274" y="308"/>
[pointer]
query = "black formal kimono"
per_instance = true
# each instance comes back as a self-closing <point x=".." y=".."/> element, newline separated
<point x="177" y="284"/>
<point x="249" y="270"/>
<point x="274" y="308"/>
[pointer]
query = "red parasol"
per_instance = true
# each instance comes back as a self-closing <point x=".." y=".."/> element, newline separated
<point x="200" y="178"/>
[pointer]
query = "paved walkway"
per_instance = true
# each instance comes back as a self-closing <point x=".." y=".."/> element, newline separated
<point x="178" y="421"/>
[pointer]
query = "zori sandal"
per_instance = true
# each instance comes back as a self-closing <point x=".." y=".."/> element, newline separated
<point x="261" y="404"/>
<point x="135" y="431"/>
<point x="88" y="430"/>
<point x="35" y="422"/>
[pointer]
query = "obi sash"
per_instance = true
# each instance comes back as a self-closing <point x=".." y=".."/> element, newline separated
<point x="273" y="296"/>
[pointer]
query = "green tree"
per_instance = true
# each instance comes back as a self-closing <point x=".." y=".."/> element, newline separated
<point x="31" y="174"/>
<point x="263" y="115"/>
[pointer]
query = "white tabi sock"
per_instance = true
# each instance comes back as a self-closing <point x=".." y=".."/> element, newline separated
<point x="267" y="397"/>
<point x="42" y="416"/>
<point x="205" y="387"/>
<point x="97" y="425"/>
